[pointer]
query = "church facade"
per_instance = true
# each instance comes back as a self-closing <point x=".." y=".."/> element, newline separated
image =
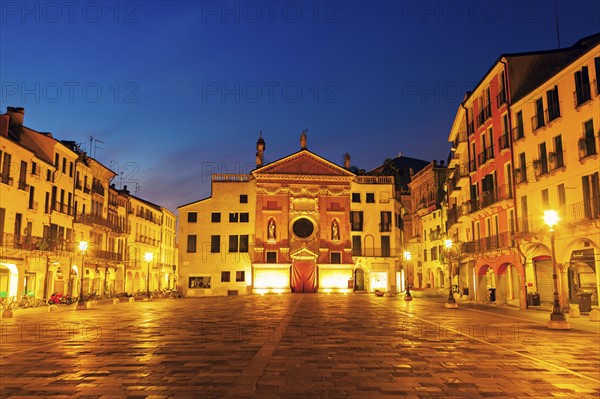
<point x="301" y="224"/>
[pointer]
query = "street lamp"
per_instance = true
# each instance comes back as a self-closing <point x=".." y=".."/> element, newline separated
<point x="450" y="303"/>
<point x="407" y="295"/>
<point x="83" y="246"/>
<point x="558" y="320"/>
<point x="148" y="258"/>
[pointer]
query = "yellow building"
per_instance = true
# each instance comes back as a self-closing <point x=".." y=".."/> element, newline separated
<point x="556" y="167"/>
<point x="429" y="226"/>
<point x="54" y="197"/>
<point x="298" y="224"/>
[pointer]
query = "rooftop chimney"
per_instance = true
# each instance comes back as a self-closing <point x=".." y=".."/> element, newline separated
<point x="4" y="120"/>
<point x="16" y="114"/>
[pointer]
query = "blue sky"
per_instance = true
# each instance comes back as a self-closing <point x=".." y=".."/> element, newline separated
<point x="178" y="90"/>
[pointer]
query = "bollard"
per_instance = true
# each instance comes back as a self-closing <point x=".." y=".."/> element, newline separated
<point x="574" y="312"/>
<point x="131" y="299"/>
<point x="7" y="313"/>
<point x="595" y="315"/>
<point x="52" y="308"/>
<point x="115" y="301"/>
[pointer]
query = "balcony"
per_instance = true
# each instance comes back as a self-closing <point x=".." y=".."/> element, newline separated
<point x="537" y="121"/>
<point x="520" y="175"/>
<point x="375" y="179"/>
<point x="472" y="165"/>
<point x="97" y="188"/>
<point x="582" y="94"/>
<point x="488" y="244"/>
<point x="23" y="185"/>
<point x="461" y="138"/>
<point x="385" y="226"/>
<point x="583" y="211"/>
<point x="587" y="147"/>
<point x="504" y="141"/>
<point x="96" y="220"/>
<point x="556" y="160"/>
<point x="375" y="252"/>
<point x="540" y="167"/>
<point x="230" y="177"/>
<point x="501" y="98"/>
<point x="518" y="132"/>
<point x="489" y="197"/>
<point x="470" y="128"/>
<point x="485" y="155"/>
<point x="6" y="179"/>
<point x="552" y="113"/>
<point x="78" y="185"/>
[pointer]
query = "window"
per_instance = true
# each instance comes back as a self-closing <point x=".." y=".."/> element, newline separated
<point x="356" y="220"/>
<point x="233" y="243"/>
<point x="524" y="215"/>
<point x="385" y="245"/>
<point x="336" y="257"/>
<point x="199" y="282"/>
<point x="543" y="160"/>
<point x="597" y="66"/>
<point x="244" y="243"/>
<point x="519" y="132"/>
<point x="370" y="198"/>
<point x="244" y="217"/>
<point x="233" y="217"/>
<point x="34" y="168"/>
<point x="587" y="144"/>
<point x="558" y="160"/>
<point x="562" y="199"/>
<point x="591" y="196"/>
<point x="243" y="198"/>
<point x="303" y="228"/>
<point x="553" y="106"/>
<point x="70" y="169"/>
<point x="582" y="86"/>
<point x="538" y="119"/>
<point x="56" y="160"/>
<point x="225" y="277"/>
<point x="215" y="244"/>
<point x="425" y="255"/>
<point x="355" y="197"/>
<point x="191" y="243"/>
<point x="192" y="217"/>
<point x="356" y="246"/>
<point x="545" y="199"/>
<point x="64" y="165"/>
<point x="434" y="253"/>
<point x="271" y="257"/>
<point x="215" y="217"/>
<point x="240" y="276"/>
<point x="385" y="221"/>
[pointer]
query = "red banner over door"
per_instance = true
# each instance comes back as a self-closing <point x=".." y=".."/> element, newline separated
<point x="304" y="276"/>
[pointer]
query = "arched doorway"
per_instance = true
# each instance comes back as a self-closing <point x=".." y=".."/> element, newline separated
<point x="508" y="291"/>
<point x="359" y="279"/>
<point x="486" y="284"/>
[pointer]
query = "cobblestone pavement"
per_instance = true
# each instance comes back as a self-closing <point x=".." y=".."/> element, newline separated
<point x="295" y="346"/>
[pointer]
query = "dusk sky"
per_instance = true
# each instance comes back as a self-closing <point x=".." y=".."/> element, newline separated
<point x="177" y="90"/>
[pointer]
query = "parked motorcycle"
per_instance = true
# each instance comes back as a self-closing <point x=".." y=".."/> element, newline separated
<point x="56" y="299"/>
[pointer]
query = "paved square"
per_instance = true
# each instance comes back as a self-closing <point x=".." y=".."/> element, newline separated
<point x="295" y="346"/>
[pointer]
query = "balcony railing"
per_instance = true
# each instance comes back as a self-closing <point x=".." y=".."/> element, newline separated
<point x="23" y="185"/>
<point x="485" y="155"/>
<point x="501" y="98"/>
<point x="472" y="165"/>
<point x="385" y="226"/>
<point x="99" y="220"/>
<point x="587" y="147"/>
<point x="487" y="244"/>
<point x="504" y="141"/>
<point x="461" y="137"/>
<point x="537" y="121"/>
<point x="556" y="160"/>
<point x="520" y="175"/>
<point x="375" y="179"/>
<point x="470" y="128"/>
<point x="6" y="179"/>
<point x="98" y="189"/>
<point x="583" y="211"/>
<point x="489" y="197"/>
<point x="375" y="252"/>
<point x="540" y="167"/>
<point x="582" y="94"/>
<point x="230" y="177"/>
<point x="518" y="132"/>
<point x="552" y="112"/>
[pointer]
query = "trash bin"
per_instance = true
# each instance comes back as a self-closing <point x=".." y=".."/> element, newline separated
<point x="492" y="296"/>
<point x="533" y="299"/>
<point x="585" y="302"/>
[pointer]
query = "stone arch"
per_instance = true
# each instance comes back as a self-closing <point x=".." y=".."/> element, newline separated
<point x="509" y="285"/>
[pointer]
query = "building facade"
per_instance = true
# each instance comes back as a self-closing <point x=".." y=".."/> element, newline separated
<point x="300" y="224"/>
<point x="53" y="198"/>
<point x="557" y="167"/>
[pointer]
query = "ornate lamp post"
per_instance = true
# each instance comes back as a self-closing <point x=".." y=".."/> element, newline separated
<point x="83" y="246"/>
<point x="407" y="295"/>
<point x="148" y="258"/>
<point x="450" y="303"/>
<point x="558" y="320"/>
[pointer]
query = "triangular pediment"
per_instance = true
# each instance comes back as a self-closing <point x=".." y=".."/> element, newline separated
<point x="302" y="163"/>
<point x="304" y="253"/>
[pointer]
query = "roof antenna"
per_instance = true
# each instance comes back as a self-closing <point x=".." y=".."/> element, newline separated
<point x="557" y="28"/>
